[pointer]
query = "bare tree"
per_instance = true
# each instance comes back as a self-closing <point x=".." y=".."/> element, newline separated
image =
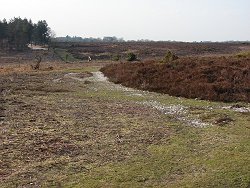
<point x="37" y="66"/>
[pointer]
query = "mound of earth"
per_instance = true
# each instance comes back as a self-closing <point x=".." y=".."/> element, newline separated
<point x="217" y="78"/>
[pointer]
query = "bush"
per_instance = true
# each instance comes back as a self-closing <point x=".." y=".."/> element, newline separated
<point x="169" y="57"/>
<point x="115" y="57"/>
<point x="66" y="57"/>
<point x="131" y="57"/>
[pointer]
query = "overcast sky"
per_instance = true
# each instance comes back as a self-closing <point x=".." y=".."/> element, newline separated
<point x="180" y="20"/>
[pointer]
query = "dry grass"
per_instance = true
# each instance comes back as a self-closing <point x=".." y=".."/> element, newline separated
<point x="14" y="69"/>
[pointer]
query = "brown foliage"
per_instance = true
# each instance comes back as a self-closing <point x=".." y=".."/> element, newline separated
<point x="148" y="50"/>
<point x="218" y="79"/>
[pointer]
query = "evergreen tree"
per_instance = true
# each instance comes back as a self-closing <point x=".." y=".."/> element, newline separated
<point x="18" y="33"/>
<point x="41" y="33"/>
<point x="3" y="32"/>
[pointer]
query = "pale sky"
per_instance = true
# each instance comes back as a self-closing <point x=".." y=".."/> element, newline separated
<point x="180" y="20"/>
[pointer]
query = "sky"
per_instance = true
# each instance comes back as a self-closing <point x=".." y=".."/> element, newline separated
<point x="179" y="20"/>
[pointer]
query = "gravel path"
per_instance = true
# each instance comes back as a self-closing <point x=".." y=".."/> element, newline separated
<point x="177" y="112"/>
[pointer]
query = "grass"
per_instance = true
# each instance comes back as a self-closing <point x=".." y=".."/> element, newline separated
<point x="84" y="69"/>
<point x="245" y="54"/>
<point x="64" y="55"/>
<point x="109" y="95"/>
<point x="212" y="157"/>
<point x="216" y="156"/>
<point x="79" y="132"/>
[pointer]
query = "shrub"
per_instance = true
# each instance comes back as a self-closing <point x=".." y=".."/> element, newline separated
<point x="115" y="57"/>
<point x="66" y="57"/>
<point x="169" y="57"/>
<point x="131" y="57"/>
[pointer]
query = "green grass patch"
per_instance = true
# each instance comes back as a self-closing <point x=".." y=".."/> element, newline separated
<point x="84" y="69"/>
<point x="217" y="156"/>
<point x="64" y="55"/>
<point x="212" y="157"/>
<point x="109" y="95"/>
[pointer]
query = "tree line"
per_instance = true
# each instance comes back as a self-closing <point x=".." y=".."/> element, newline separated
<point x="17" y="33"/>
<point x="91" y="39"/>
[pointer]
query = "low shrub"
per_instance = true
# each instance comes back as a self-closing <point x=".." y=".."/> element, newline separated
<point x="115" y="57"/>
<point x="169" y="57"/>
<point x="131" y="57"/>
